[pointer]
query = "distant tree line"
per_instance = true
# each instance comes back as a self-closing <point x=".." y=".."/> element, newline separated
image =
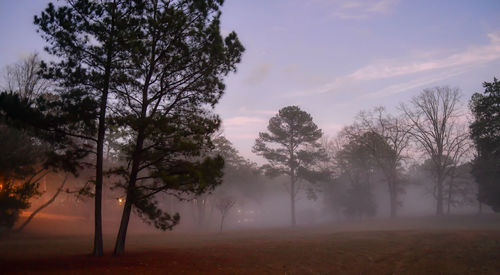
<point x="380" y="147"/>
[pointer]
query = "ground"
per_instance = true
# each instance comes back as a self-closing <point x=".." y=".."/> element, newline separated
<point x="451" y="245"/>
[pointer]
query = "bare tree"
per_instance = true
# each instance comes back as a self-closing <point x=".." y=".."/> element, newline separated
<point x="224" y="204"/>
<point x="25" y="79"/>
<point x="436" y="127"/>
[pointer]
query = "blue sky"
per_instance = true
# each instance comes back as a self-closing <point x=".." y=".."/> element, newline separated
<point x="333" y="58"/>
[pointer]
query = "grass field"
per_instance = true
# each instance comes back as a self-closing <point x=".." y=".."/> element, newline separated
<point x="452" y="245"/>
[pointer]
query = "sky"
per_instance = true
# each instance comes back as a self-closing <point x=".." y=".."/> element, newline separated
<point x="332" y="58"/>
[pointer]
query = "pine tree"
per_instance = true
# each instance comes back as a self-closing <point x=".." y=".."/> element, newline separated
<point x="292" y="148"/>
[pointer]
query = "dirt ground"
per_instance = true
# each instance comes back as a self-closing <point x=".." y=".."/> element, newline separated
<point x="355" y="248"/>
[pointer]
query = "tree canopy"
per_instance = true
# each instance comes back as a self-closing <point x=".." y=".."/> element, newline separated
<point x="170" y="85"/>
<point x="485" y="133"/>
<point x="292" y="148"/>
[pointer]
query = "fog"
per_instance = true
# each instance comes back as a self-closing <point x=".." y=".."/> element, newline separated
<point x="267" y="206"/>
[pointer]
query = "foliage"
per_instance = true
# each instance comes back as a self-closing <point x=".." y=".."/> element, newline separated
<point x="27" y="154"/>
<point x="356" y="166"/>
<point x="292" y="148"/>
<point x="485" y="133"/>
<point x="242" y="178"/>
<point x="386" y="139"/>
<point x="15" y="197"/>
<point x="170" y="84"/>
<point x="90" y="40"/>
<point x="460" y="187"/>
<point x="19" y="157"/>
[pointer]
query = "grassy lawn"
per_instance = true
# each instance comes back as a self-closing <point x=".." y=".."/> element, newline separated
<point x="411" y="246"/>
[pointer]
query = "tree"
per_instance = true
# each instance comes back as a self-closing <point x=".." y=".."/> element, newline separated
<point x="24" y="78"/>
<point x="485" y="133"/>
<point x="19" y="174"/>
<point x="292" y="148"/>
<point x="44" y="205"/>
<point x="435" y="119"/>
<point x="333" y="190"/>
<point x="90" y="40"/>
<point x="25" y="157"/>
<point x="242" y="179"/>
<point x="460" y="187"/>
<point x="386" y="139"/>
<point x="172" y="81"/>
<point x="224" y="205"/>
<point x="357" y="167"/>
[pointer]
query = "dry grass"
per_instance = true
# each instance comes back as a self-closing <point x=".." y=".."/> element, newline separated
<point x="450" y="247"/>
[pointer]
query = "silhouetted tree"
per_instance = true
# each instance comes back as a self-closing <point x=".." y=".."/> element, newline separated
<point x="242" y="179"/>
<point x="26" y="157"/>
<point x="241" y="176"/>
<point x="43" y="206"/>
<point x="356" y="166"/>
<point x="172" y="80"/>
<point x="224" y="205"/>
<point x="292" y="148"/>
<point x="434" y="116"/>
<point x="19" y="174"/>
<point x="485" y="133"/>
<point x="90" y="40"/>
<point x="460" y="187"/>
<point x="386" y="139"/>
<point x="25" y="79"/>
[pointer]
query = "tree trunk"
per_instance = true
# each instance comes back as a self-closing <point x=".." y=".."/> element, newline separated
<point x="98" y="243"/>
<point x="449" y="200"/>
<point x="393" y="198"/>
<point x="98" y="246"/>
<point x="101" y="132"/>
<point x="394" y="205"/>
<point x="221" y="222"/>
<point x="200" y="205"/>
<point x="292" y="200"/>
<point x="122" y="233"/>
<point x="439" y="207"/>
<point x="43" y="206"/>
<point x="127" y="209"/>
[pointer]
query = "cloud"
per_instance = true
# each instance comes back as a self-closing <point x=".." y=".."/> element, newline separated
<point x="259" y="73"/>
<point x="244" y="109"/>
<point x="362" y="9"/>
<point x="437" y="69"/>
<point x="471" y="56"/>
<point x="242" y="121"/>
<point x="412" y="84"/>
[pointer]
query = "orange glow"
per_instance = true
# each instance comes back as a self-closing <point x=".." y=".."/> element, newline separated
<point x="121" y="201"/>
